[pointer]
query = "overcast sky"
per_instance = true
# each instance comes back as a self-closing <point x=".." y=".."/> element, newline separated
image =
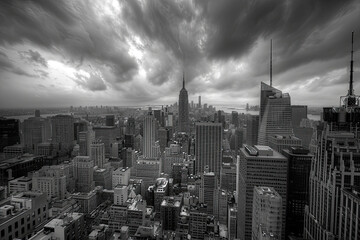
<point x="109" y="52"/>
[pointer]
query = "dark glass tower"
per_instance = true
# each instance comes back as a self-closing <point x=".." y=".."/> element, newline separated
<point x="183" y="109"/>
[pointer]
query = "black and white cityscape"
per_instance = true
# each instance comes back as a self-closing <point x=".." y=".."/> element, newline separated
<point x="184" y="119"/>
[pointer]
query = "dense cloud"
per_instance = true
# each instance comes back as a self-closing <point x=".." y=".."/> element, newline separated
<point x="125" y="52"/>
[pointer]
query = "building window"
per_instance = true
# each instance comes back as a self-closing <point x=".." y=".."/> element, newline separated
<point x="22" y="221"/>
<point x="3" y="233"/>
<point x="16" y="225"/>
<point x="10" y="228"/>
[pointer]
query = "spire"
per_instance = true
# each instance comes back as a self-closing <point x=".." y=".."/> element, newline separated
<point x="183" y="79"/>
<point x="271" y="63"/>
<point x="351" y="90"/>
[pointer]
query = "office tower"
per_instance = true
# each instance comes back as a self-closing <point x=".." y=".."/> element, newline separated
<point x="110" y="120"/>
<point x="252" y="129"/>
<point x="299" y="160"/>
<point x="235" y="118"/>
<point x="121" y="176"/>
<point x="170" y="212"/>
<point x="298" y="113"/>
<point x="35" y="131"/>
<point x="9" y="132"/>
<point x="63" y="131"/>
<point x="97" y="153"/>
<point x="183" y="109"/>
<point x="280" y="142"/>
<point x="164" y="138"/>
<point x="49" y="181"/>
<point x="228" y="176"/>
<point x="160" y="117"/>
<point x="207" y="191"/>
<point x="149" y="146"/>
<point x="107" y="134"/>
<point x="172" y="155"/>
<point x="236" y="139"/>
<point x="266" y="214"/>
<point x="208" y="147"/>
<point x="221" y="207"/>
<point x="13" y="151"/>
<point x="334" y="167"/>
<point x="259" y="166"/>
<point x="22" y="215"/>
<point x="83" y="173"/>
<point x="85" y="139"/>
<point x="275" y="113"/>
<point x="199" y="102"/>
<point x="197" y="222"/>
<point x="120" y="194"/>
<point x="87" y="201"/>
<point x="349" y="221"/>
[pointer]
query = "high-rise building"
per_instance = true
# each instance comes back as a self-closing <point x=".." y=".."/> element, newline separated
<point x="228" y="177"/>
<point x="266" y="214"/>
<point x="199" y="106"/>
<point x="50" y="181"/>
<point x="35" y="131"/>
<point x="299" y="160"/>
<point x="183" y="109"/>
<point x="107" y="134"/>
<point x="207" y="191"/>
<point x="172" y="155"/>
<point x="170" y="212"/>
<point x="120" y="194"/>
<point x="85" y="139"/>
<point x="335" y="167"/>
<point x="252" y="129"/>
<point x="9" y="132"/>
<point x="298" y="113"/>
<point x="275" y="113"/>
<point x="208" y="147"/>
<point x="131" y="126"/>
<point x="259" y="166"/>
<point x="97" y="153"/>
<point x="349" y="221"/>
<point x="149" y="140"/>
<point x="63" y="131"/>
<point x="83" y="173"/>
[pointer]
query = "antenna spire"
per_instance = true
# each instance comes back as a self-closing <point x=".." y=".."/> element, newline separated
<point x="183" y="79"/>
<point x="271" y="63"/>
<point x="351" y="90"/>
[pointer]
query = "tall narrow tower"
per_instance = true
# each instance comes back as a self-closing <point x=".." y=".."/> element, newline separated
<point x="183" y="109"/>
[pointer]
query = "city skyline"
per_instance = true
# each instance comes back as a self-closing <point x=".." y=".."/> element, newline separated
<point x="55" y="53"/>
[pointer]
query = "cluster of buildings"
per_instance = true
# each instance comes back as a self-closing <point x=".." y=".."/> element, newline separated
<point x="185" y="171"/>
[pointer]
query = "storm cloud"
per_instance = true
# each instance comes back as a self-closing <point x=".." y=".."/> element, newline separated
<point x="135" y="52"/>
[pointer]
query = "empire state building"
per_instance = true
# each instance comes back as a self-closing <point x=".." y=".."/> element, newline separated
<point x="183" y="109"/>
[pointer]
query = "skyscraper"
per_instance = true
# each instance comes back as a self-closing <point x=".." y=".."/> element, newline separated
<point x="266" y="214"/>
<point x="298" y="188"/>
<point x="298" y="112"/>
<point x="259" y="166"/>
<point x="252" y="129"/>
<point x="335" y="167"/>
<point x="84" y="173"/>
<point x="150" y="149"/>
<point x="208" y="147"/>
<point x="275" y="113"/>
<point x="183" y="109"/>
<point x="97" y="153"/>
<point x="63" y="131"/>
<point x="35" y="130"/>
<point x="9" y="132"/>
